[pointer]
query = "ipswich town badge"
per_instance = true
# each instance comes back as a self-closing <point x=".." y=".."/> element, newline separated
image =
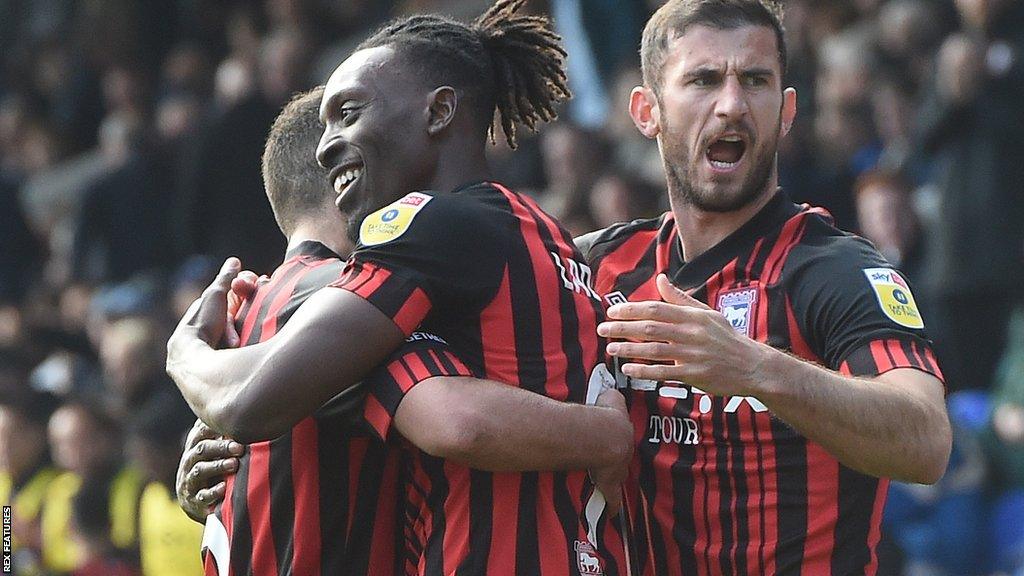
<point x="587" y="560"/>
<point x="738" y="307"/>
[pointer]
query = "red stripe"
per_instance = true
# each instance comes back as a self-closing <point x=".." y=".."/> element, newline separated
<point x="896" y="351"/>
<point x="751" y="462"/>
<point x="501" y="558"/>
<point x="357" y="456"/>
<point x="768" y="503"/>
<point x="306" y="482"/>
<point x="547" y="284"/>
<point x="875" y="532"/>
<point x="460" y="368"/>
<point x="367" y="281"/>
<point x="788" y="237"/>
<point x="623" y="259"/>
<point x="456" y="506"/>
<point x="553" y="558"/>
<point x="415" y="309"/>
<point x="282" y="298"/>
<point x="797" y="344"/>
<point x="822" y="509"/>
<point x="377" y="416"/>
<point x="417" y="368"/>
<point x="257" y="304"/>
<point x="882" y="361"/>
<point x="382" y="543"/>
<point x="264" y="555"/>
<point x="402" y="376"/>
<point x="495" y="326"/>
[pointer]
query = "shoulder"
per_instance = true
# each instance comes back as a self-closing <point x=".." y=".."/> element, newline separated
<point x="826" y="250"/>
<point x="434" y="216"/>
<point x="595" y="245"/>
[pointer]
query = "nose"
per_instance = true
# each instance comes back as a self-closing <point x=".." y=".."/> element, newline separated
<point x="732" y="99"/>
<point x="328" y="150"/>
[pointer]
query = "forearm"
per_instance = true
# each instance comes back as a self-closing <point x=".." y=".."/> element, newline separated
<point x="500" y="428"/>
<point x="880" y="426"/>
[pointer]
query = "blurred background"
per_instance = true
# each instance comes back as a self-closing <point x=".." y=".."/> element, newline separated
<point x="130" y="142"/>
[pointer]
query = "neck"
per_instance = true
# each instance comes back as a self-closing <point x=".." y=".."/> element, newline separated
<point x="470" y="167"/>
<point x="699" y="230"/>
<point x="329" y="233"/>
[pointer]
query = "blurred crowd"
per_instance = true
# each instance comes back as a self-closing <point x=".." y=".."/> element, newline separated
<point x="130" y="142"/>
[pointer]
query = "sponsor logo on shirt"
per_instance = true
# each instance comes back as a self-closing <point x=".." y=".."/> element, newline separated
<point x="393" y="220"/>
<point x="894" y="297"/>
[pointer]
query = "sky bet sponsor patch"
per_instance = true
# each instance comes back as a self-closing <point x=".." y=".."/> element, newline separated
<point x="894" y="297"/>
<point x="393" y="220"/>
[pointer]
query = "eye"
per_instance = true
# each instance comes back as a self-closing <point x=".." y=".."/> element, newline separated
<point x="704" y="81"/>
<point x="348" y="113"/>
<point x="755" y="81"/>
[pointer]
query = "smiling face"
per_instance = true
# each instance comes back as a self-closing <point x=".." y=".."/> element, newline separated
<point x="375" y="145"/>
<point x="718" y="115"/>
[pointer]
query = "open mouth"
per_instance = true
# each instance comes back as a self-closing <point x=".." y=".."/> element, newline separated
<point x="726" y="152"/>
<point x="344" y="178"/>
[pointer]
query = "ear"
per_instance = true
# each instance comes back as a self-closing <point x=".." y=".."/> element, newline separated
<point x="443" y="102"/>
<point x="643" y="108"/>
<point x="788" y="110"/>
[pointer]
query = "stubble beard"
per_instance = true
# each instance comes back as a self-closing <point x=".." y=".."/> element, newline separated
<point x="683" y="190"/>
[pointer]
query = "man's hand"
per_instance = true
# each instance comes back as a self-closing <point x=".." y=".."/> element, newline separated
<point x="208" y="457"/>
<point x="609" y="479"/>
<point x="207" y="318"/>
<point x="703" y="348"/>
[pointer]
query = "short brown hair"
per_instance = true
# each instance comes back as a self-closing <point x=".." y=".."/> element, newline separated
<point x="295" y="183"/>
<point x="672" y="20"/>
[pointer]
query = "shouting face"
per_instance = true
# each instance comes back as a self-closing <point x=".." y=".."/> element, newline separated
<point x="718" y="115"/>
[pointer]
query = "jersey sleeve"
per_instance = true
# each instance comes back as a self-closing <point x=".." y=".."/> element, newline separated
<point x="855" y="311"/>
<point x="422" y="356"/>
<point x="428" y="253"/>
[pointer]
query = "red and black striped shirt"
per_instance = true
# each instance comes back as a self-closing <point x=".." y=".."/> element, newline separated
<point x="719" y="486"/>
<point x="501" y="281"/>
<point x="325" y="497"/>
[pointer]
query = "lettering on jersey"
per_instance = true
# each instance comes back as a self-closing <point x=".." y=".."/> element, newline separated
<point x="587" y="559"/>
<point x="613" y="298"/>
<point x="417" y="336"/>
<point x="673" y="430"/>
<point x="575" y="276"/>
<point x="737" y="306"/>
<point x="393" y="220"/>
<point x="894" y="297"/>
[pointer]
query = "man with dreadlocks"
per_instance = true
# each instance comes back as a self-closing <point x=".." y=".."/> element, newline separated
<point x="441" y="247"/>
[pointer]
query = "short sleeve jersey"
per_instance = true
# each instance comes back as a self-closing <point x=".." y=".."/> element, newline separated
<point x="323" y="498"/>
<point x="501" y="282"/>
<point x="722" y="486"/>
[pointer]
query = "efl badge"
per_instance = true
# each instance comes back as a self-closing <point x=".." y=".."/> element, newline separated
<point x="894" y="297"/>
<point x="587" y="560"/>
<point x="393" y="220"/>
<point x="737" y="306"/>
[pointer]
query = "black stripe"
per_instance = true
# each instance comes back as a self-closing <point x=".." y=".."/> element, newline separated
<point x="434" y="546"/>
<point x="645" y="268"/>
<point x="282" y="502"/>
<point x="737" y="468"/>
<point x="241" y="531"/>
<point x="367" y="497"/>
<point x="313" y="279"/>
<point x="568" y="513"/>
<point x="527" y="550"/>
<point x="526" y="316"/>
<point x="481" y="523"/>
<point x="850" y="552"/>
<point x="333" y="451"/>
<point x="277" y="282"/>
<point x="684" y="528"/>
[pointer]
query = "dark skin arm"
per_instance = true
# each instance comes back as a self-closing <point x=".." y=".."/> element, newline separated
<point x="259" y="392"/>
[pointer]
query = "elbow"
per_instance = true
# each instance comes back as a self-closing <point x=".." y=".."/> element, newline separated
<point x="245" y="420"/>
<point x="934" y="456"/>
<point x="462" y="438"/>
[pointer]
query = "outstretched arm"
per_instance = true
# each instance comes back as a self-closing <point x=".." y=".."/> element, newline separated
<point x="259" y="392"/>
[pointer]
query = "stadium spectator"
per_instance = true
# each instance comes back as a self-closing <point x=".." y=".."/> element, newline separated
<point x="86" y="445"/>
<point x="25" y="472"/>
<point x="976" y="257"/>
<point x="91" y="533"/>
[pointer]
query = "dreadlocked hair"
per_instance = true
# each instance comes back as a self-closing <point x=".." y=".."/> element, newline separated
<point x="511" y="63"/>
